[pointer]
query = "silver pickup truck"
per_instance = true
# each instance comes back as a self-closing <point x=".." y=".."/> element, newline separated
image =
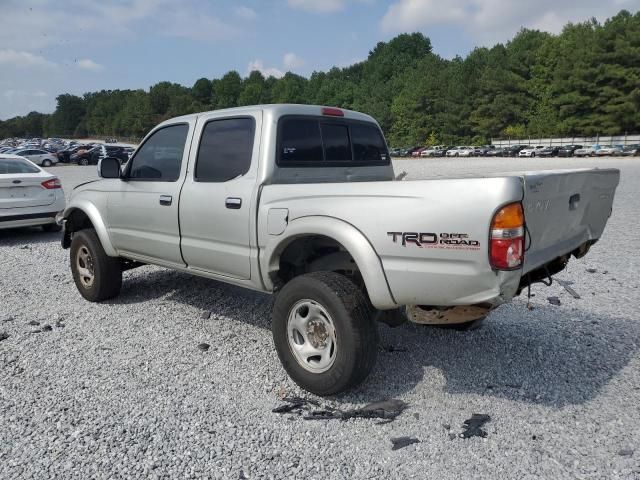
<point x="302" y="201"/>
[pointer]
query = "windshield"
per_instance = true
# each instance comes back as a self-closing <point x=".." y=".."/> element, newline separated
<point x="10" y="166"/>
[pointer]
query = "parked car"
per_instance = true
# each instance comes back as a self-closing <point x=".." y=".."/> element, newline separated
<point x="65" y="154"/>
<point x="512" y="150"/>
<point x="441" y="151"/>
<point x="631" y="151"/>
<point x="115" y="151"/>
<point x="87" y="157"/>
<point x="548" y="152"/>
<point x="609" y="150"/>
<point x="409" y="151"/>
<point x="430" y="152"/>
<point x="567" y="150"/>
<point x="335" y="267"/>
<point x="495" y="152"/>
<point x="530" y="151"/>
<point x="29" y="195"/>
<point x="483" y="150"/>
<point x="110" y="140"/>
<point x="460" y="151"/>
<point x="589" y="151"/>
<point x="418" y="152"/>
<point x="37" y="156"/>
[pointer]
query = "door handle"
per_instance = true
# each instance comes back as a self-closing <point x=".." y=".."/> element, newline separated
<point x="165" y="200"/>
<point x="233" y="203"/>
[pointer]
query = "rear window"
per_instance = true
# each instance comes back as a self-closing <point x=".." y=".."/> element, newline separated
<point x="300" y="142"/>
<point x="10" y="166"/>
<point x="335" y="139"/>
<point x="318" y="142"/>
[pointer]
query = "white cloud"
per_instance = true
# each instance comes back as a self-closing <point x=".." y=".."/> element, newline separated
<point x="291" y="61"/>
<point x="187" y="23"/>
<point x="324" y="6"/>
<point x="14" y="58"/>
<point x="266" y="71"/>
<point x="245" y="12"/>
<point x="88" y="64"/>
<point x="317" y="6"/>
<point x="489" y="21"/>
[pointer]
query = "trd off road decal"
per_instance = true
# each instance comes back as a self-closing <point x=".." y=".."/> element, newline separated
<point x="450" y="241"/>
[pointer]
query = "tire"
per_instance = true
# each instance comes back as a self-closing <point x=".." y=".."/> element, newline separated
<point x="533" y="155"/>
<point x="51" y="227"/>
<point x="351" y="345"/>
<point x="84" y="162"/>
<point x="87" y="252"/>
<point x="46" y="163"/>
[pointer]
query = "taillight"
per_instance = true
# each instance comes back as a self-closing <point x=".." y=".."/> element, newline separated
<point x="332" y="112"/>
<point x="51" y="184"/>
<point x="506" y="251"/>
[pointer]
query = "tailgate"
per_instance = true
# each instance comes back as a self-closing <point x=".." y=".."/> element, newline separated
<point x="565" y="209"/>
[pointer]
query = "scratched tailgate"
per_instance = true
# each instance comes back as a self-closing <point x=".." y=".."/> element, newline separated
<point x="565" y="209"/>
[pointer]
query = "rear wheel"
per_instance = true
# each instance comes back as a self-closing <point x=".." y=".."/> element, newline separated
<point x="46" y="163"/>
<point x="83" y="161"/>
<point x="96" y="275"/>
<point x="324" y="333"/>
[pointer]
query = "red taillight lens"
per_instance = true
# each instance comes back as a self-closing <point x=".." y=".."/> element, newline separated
<point x="52" y="183"/>
<point x="332" y="112"/>
<point x="506" y="251"/>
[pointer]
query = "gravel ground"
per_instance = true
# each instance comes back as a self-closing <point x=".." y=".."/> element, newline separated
<point x="121" y="389"/>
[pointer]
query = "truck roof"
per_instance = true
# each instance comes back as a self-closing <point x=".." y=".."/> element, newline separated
<point x="278" y="110"/>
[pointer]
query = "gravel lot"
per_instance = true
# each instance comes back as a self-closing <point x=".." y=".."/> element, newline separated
<point x="121" y="389"/>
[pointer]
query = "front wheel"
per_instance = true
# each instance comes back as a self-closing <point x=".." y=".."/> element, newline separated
<point x="324" y="332"/>
<point x="83" y="162"/>
<point x="96" y="275"/>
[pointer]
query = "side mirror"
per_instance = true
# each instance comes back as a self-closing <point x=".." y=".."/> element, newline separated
<point x="109" y="167"/>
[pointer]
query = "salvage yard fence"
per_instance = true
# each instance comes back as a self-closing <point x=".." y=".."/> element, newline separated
<point x="560" y="141"/>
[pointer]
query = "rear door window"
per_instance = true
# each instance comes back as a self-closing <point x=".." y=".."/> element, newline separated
<point x="225" y="149"/>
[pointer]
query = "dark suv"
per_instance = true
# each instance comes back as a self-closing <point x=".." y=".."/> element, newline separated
<point x="567" y="150"/>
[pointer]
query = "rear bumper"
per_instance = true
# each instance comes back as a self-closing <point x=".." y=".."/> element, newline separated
<point x="27" y="220"/>
<point x="449" y="283"/>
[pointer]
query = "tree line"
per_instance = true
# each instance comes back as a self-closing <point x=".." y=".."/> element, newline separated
<point x="581" y="82"/>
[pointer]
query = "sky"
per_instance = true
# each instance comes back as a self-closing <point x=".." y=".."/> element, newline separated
<point x="49" y="47"/>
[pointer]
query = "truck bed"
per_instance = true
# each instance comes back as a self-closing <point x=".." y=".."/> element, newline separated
<point x="563" y="210"/>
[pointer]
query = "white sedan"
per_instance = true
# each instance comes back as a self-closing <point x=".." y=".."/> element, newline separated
<point x="38" y="156"/>
<point x="461" y="152"/>
<point x="530" y="151"/>
<point x="29" y="196"/>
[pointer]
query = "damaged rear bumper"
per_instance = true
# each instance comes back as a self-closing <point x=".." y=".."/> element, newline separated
<point x="430" y="315"/>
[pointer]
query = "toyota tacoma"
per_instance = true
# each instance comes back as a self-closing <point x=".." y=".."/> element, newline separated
<point x="302" y="202"/>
